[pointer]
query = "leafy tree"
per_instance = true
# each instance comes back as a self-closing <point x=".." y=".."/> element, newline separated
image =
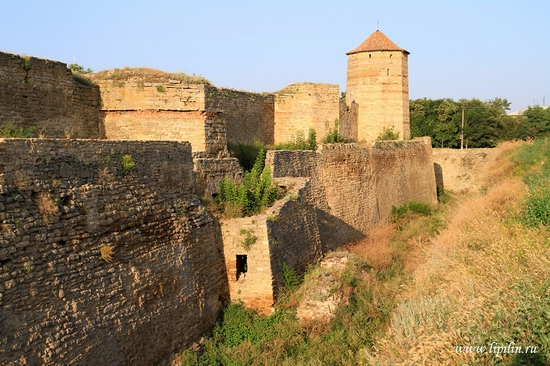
<point x="537" y="121"/>
<point x="485" y="122"/>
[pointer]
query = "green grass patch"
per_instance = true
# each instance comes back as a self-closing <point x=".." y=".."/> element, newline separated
<point x="9" y="130"/>
<point x="533" y="164"/>
<point x="300" y="142"/>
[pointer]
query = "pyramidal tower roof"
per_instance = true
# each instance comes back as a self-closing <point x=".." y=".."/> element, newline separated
<point x="377" y="41"/>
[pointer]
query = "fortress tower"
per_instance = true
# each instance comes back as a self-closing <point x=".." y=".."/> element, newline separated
<point x="378" y="81"/>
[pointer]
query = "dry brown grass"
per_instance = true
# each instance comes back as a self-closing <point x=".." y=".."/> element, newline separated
<point x="46" y="205"/>
<point x="376" y="248"/>
<point x="146" y="75"/>
<point x="104" y="176"/>
<point x="107" y="252"/>
<point x="472" y="267"/>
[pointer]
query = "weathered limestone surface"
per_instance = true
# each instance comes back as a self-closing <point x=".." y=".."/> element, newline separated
<point x="248" y="116"/>
<point x="348" y="119"/>
<point x="461" y="170"/>
<point x="61" y="301"/>
<point x="301" y="106"/>
<point x="44" y="94"/>
<point x="210" y="172"/>
<point x="355" y="186"/>
<point x="286" y="233"/>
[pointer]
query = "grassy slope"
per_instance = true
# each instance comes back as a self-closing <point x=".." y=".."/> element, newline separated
<point x="468" y="273"/>
<point x="486" y="280"/>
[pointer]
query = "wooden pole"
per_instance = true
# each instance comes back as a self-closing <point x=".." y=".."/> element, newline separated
<point x="462" y="131"/>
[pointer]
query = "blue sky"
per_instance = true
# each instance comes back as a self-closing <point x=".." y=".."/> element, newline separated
<point x="461" y="49"/>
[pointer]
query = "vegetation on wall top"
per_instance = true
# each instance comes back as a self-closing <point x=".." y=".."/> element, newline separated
<point x="148" y="75"/>
<point x="9" y="130"/>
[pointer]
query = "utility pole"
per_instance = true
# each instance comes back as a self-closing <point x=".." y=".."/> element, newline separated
<point x="462" y="131"/>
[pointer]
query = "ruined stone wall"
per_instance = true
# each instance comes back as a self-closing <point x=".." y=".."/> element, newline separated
<point x="355" y="186"/>
<point x="287" y="232"/>
<point x="248" y="116"/>
<point x="44" y="93"/>
<point x="247" y="237"/>
<point x="294" y="237"/>
<point x="291" y="163"/>
<point x="134" y="95"/>
<point x="62" y="301"/>
<point x="301" y="106"/>
<point x="156" y="125"/>
<point x="404" y="172"/>
<point x="137" y="110"/>
<point x="348" y="120"/>
<point x="462" y="170"/>
<point x="210" y="172"/>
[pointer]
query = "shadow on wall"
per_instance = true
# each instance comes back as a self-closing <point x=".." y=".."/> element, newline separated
<point x="335" y="232"/>
<point x="438" y="176"/>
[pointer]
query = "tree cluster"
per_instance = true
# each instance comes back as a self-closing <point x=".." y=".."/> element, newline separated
<point x="485" y="122"/>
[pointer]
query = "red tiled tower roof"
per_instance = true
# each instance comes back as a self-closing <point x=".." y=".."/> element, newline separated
<point x="377" y="41"/>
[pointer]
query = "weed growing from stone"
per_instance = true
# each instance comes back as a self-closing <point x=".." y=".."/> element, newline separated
<point x="9" y="131"/>
<point x="127" y="164"/>
<point x="333" y="135"/>
<point x="388" y="134"/>
<point x="249" y="239"/>
<point x="107" y="252"/>
<point x="300" y="142"/>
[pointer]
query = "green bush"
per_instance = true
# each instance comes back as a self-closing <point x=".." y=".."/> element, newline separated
<point x="536" y="206"/>
<point x="290" y="279"/>
<point x="9" y="131"/>
<point x="388" y="134"/>
<point x="333" y="135"/>
<point x="127" y="164"/>
<point x="255" y="194"/>
<point x="246" y="153"/>
<point x="76" y="68"/>
<point x="299" y="142"/>
<point x="532" y="162"/>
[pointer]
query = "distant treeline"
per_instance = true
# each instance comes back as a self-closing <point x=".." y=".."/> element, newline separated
<point x="485" y="122"/>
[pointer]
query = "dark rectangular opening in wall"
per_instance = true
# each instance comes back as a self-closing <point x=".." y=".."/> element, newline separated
<point x="242" y="266"/>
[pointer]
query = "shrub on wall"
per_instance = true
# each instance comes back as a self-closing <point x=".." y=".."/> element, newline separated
<point x="255" y="194"/>
<point x="333" y="135"/>
<point x="10" y="131"/>
<point x="388" y="134"/>
<point x="299" y="142"/>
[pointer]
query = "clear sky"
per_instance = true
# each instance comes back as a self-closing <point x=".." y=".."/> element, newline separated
<point x="460" y="49"/>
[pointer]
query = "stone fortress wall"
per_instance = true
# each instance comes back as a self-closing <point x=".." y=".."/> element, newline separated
<point x="62" y="203"/>
<point x="44" y="94"/>
<point x="335" y="195"/>
<point x="173" y="265"/>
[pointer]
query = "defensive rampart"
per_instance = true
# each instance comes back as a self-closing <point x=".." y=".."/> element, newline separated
<point x="355" y="186"/>
<point x="105" y="256"/>
<point x="44" y="94"/>
<point x="335" y="195"/>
